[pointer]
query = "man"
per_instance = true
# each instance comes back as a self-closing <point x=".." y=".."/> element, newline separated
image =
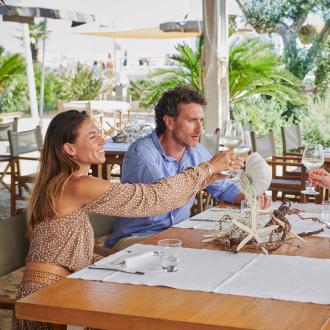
<point x="168" y="150"/>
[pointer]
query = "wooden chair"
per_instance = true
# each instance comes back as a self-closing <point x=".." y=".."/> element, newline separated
<point x="291" y="140"/>
<point x="96" y="115"/>
<point x="21" y="145"/>
<point x="288" y="174"/>
<point x="5" y="158"/>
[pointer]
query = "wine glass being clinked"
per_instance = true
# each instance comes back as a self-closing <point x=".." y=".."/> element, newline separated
<point x="312" y="158"/>
<point x="232" y="138"/>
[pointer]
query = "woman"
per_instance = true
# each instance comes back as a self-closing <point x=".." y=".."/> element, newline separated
<point x="61" y="238"/>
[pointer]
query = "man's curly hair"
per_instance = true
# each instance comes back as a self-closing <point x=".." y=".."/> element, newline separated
<point x="169" y="102"/>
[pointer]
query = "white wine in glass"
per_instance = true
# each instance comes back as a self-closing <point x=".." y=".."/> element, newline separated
<point x="312" y="158"/>
<point x="232" y="138"/>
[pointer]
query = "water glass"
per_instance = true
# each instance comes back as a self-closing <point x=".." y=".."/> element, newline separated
<point x="326" y="212"/>
<point x="169" y="258"/>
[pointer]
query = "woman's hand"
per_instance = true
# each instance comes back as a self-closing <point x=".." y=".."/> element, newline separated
<point x="319" y="178"/>
<point x="225" y="160"/>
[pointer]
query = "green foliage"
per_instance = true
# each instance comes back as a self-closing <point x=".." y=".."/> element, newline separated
<point x="83" y="86"/>
<point x="10" y="67"/>
<point x="287" y="18"/>
<point x="136" y="88"/>
<point x="315" y="122"/>
<point x="264" y="114"/>
<point x="15" y="97"/>
<point x="188" y="72"/>
<point x="322" y="72"/>
<point x="254" y="68"/>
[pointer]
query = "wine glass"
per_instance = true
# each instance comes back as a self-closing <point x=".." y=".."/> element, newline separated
<point x="232" y="138"/>
<point x="244" y="148"/>
<point x="312" y="158"/>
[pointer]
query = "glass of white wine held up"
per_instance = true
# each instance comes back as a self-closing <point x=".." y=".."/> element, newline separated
<point x="232" y="138"/>
<point x="312" y="158"/>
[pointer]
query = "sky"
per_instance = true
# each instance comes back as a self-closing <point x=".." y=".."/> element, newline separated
<point x="65" y="44"/>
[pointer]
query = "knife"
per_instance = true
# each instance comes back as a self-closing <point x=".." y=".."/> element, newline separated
<point x="116" y="269"/>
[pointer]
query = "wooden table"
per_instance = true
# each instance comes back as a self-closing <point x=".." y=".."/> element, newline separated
<point x="114" y="155"/>
<point x="123" y="306"/>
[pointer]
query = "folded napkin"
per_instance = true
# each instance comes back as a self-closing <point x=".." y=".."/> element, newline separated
<point x="132" y="261"/>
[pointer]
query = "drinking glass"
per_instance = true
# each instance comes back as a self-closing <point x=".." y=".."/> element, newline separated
<point x="232" y="138"/>
<point x="313" y="158"/>
<point x="326" y="212"/>
<point x="169" y="258"/>
<point x="244" y="149"/>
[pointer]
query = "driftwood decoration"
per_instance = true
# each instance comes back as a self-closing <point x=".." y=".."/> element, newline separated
<point x="265" y="238"/>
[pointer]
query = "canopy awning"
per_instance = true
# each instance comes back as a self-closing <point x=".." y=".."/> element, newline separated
<point x="146" y="33"/>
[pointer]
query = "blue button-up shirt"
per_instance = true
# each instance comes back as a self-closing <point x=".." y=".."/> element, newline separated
<point x="146" y="162"/>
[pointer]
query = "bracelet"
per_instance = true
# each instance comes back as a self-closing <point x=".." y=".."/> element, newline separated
<point x="208" y="167"/>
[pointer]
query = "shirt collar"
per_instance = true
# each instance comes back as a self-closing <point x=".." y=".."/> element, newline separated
<point x="161" y="150"/>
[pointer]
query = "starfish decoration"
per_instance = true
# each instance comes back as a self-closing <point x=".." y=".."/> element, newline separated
<point x="253" y="232"/>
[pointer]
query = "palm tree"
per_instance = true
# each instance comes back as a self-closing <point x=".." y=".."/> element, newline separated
<point x="10" y="66"/>
<point x="255" y="69"/>
<point x="188" y="72"/>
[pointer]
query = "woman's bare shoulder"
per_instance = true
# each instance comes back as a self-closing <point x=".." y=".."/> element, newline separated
<point x="87" y="188"/>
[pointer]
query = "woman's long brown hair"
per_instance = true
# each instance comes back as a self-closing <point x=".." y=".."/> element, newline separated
<point x="56" y="167"/>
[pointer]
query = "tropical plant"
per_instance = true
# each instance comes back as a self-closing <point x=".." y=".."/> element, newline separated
<point x="254" y="68"/>
<point x="36" y="34"/>
<point x="83" y="86"/>
<point x="136" y="88"/>
<point x="188" y="72"/>
<point x="10" y="67"/>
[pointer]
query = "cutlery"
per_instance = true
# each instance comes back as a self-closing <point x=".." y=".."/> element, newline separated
<point x="209" y="220"/>
<point x="117" y="270"/>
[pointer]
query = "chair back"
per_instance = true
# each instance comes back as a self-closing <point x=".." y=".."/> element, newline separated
<point x="5" y="127"/>
<point x="291" y="138"/>
<point x="248" y="127"/>
<point x="264" y="144"/>
<point x="13" y="243"/>
<point x="102" y="224"/>
<point x="25" y="142"/>
<point x="211" y="142"/>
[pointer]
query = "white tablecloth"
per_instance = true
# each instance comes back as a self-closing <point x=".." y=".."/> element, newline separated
<point x="208" y="220"/>
<point x="266" y="276"/>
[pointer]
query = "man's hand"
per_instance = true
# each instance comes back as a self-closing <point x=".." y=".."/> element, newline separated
<point x="264" y="201"/>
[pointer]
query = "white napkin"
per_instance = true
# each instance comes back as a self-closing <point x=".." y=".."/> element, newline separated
<point x="132" y="261"/>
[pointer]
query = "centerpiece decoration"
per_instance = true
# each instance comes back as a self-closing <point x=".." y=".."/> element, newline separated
<point x="248" y="230"/>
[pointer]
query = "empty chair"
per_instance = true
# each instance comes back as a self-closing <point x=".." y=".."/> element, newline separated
<point x="291" y="140"/>
<point x="4" y="154"/>
<point x="102" y="226"/>
<point x="289" y="175"/>
<point x="264" y="144"/>
<point x="13" y="250"/>
<point x="211" y="141"/>
<point x="22" y="144"/>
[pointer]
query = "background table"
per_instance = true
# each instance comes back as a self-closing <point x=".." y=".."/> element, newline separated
<point x="114" y="155"/>
<point x="123" y="306"/>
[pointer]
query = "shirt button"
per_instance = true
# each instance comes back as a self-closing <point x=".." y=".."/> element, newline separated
<point x="172" y="217"/>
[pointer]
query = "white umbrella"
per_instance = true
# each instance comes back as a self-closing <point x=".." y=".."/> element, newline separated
<point x="26" y="15"/>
